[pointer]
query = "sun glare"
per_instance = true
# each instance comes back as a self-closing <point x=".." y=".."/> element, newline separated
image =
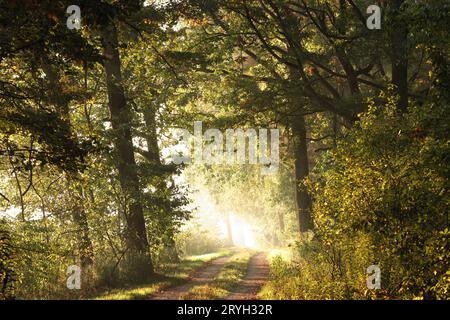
<point x="243" y="233"/>
<point x="211" y="217"/>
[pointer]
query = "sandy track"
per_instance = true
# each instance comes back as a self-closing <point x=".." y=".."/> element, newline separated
<point x="257" y="274"/>
<point x="198" y="278"/>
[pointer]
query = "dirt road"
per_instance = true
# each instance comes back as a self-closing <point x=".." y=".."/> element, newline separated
<point x="199" y="278"/>
<point x="247" y="289"/>
<point x="257" y="274"/>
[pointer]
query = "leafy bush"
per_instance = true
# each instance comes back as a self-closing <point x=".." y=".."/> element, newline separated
<point x="381" y="198"/>
<point x="388" y="180"/>
<point x="320" y="271"/>
<point x="196" y="240"/>
<point x="8" y="266"/>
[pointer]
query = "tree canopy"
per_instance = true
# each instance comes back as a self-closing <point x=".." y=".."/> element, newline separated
<point x="89" y="120"/>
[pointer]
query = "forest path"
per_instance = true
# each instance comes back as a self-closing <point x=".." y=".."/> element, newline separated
<point x="198" y="278"/>
<point x="257" y="275"/>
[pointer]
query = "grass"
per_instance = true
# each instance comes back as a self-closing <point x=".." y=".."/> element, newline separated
<point x="230" y="275"/>
<point x="275" y="257"/>
<point x="168" y="275"/>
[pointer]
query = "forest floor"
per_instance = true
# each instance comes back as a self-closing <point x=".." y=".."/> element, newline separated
<point x="240" y="276"/>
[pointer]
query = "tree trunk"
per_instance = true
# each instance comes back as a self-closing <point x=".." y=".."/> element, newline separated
<point x="152" y="154"/>
<point x="136" y="235"/>
<point x="303" y="199"/>
<point x="399" y="37"/>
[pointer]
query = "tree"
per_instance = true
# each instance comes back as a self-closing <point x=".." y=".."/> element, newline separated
<point x="323" y="49"/>
<point x="137" y="243"/>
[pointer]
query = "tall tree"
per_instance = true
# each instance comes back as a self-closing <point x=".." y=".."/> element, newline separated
<point x="136" y="235"/>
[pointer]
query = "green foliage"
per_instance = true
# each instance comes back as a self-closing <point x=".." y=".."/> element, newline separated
<point x="264" y="201"/>
<point x="388" y="180"/>
<point x="380" y="191"/>
<point x="196" y="239"/>
<point x="320" y="271"/>
<point x="9" y="277"/>
<point x="43" y="252"/>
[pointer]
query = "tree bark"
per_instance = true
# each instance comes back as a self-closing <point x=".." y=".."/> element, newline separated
<point x="399" y="37"/>
<point x="152" y="154"/>
<point x="303" y="199"/>
<point x="300" y="145"/>
<point x="136" y="235"/>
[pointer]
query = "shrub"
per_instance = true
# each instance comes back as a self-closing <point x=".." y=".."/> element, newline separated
<point x="388" y="180"/>
<point x="320" y="271"/>
<point x="8" y="266"/>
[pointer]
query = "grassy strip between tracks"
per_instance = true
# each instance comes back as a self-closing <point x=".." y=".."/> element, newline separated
<point x="228" y="278"/>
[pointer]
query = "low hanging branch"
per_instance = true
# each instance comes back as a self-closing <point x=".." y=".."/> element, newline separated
<point x="4" y="197"/>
